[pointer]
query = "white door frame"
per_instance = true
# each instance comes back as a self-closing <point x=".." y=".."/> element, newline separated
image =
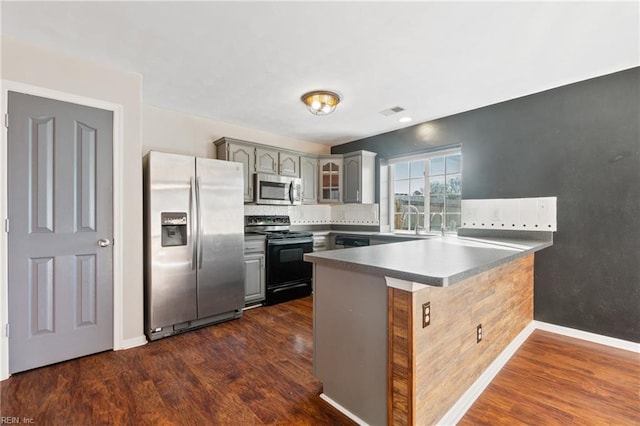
<point x="118" y="234"/>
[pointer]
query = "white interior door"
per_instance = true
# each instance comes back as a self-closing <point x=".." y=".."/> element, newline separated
<point x="60" y="200"/>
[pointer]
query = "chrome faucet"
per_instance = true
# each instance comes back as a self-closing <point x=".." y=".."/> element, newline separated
<point x="417" y="212"/>
<point x="443" y="226"/>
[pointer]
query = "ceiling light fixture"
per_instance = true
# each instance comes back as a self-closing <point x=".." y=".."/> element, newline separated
<point x="404" y="119"/>
<point x="321" y="102"/>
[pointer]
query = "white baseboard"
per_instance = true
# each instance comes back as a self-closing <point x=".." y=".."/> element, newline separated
<point x="458" y="410"/>
<point x="132" y="343"/>
<point x="343" y="410"/>
<point x="590" y="337"/>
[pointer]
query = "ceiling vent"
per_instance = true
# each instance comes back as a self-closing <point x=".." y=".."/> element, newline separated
<point x="391" y="111"/>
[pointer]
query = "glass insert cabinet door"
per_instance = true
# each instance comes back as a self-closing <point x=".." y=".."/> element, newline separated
<point x="330" y="181"/>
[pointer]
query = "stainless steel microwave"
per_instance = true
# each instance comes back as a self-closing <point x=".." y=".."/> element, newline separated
<point x="279" y="190"/>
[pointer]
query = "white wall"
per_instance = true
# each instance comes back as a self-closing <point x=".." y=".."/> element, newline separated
<point x="179" y="133"/>
<point x="27" y="64"/>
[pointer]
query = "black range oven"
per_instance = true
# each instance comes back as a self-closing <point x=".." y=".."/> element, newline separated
<point x="288" y="276"/>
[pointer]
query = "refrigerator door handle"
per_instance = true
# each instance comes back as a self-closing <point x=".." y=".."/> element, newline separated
<point x="192" y="188"/>
<point x="200" y="236"/>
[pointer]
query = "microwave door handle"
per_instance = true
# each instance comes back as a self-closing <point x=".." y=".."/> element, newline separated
<point x="192" y="201"/>
<point x="291" y="192"/>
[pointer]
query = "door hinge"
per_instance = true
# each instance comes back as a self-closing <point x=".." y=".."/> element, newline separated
<point x="7" y="328"/>
<point x="6" y="120"/>
<point x="6" y="225"/>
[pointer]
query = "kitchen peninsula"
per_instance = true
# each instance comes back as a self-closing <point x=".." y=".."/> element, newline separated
<point x="402" y="330"/>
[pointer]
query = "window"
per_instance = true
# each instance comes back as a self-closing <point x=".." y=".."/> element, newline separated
<point x="426" y="191"/>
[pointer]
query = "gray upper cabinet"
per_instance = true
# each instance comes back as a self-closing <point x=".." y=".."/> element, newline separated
<point x="289" y="164"/>
<point x="330" y="174"/>
<point x="352" y="178"/>
<point x="359" y="177"/>
<point x="239" y="152"/>
<point x="266" y="160"/>
<point x="309" y="175"/>
<point x="277" y="162"/>
<point x="335" y="178"/>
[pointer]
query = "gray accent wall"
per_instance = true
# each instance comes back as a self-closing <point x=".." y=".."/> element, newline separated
<point x="580" y="143"/>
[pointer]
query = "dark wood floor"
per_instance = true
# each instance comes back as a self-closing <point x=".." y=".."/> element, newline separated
<point x="257" y="370"/>
<point x="556" y="380"/>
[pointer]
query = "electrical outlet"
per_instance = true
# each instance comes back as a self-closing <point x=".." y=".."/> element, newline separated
<point x="478" y="333"/>
<point x="426" y="314"/>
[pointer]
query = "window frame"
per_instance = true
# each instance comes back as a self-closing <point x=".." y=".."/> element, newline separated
<point x="391" y="180"/>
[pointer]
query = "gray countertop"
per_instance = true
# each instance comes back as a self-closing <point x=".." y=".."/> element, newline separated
<point x="437" y="261"/>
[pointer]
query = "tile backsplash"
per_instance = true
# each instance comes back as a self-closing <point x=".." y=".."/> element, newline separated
<point x="313" y="214"/>
<point x="321" y="214"/>
<point x="256" y="210"/>
<point x="355" y="214"/>
<point x="523" y="214"/>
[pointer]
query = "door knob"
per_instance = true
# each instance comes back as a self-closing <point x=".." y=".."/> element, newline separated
<point x="104" y="242"/>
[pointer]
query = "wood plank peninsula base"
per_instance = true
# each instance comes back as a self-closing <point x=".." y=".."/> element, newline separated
<point x="380" y="364"/>
<point x="431" y="367"/>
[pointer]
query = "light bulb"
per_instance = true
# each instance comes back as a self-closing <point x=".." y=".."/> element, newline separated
<point x="321" y="102"/>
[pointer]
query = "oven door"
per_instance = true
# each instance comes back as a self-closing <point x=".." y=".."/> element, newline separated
<point x="285" y="263"/>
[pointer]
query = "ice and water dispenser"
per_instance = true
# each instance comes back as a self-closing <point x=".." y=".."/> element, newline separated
<point x="174" y="229"/>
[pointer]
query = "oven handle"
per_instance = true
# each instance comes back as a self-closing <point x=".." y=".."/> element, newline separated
<point x="290" y="241"/>
<point x="279" y="289"/>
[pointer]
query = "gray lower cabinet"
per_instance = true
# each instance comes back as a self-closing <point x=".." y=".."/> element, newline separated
<point x="254" y="263"/>
<point x="320" y="242"/>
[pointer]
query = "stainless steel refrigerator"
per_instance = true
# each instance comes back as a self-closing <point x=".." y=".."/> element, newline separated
<point x="194" y="237"/>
